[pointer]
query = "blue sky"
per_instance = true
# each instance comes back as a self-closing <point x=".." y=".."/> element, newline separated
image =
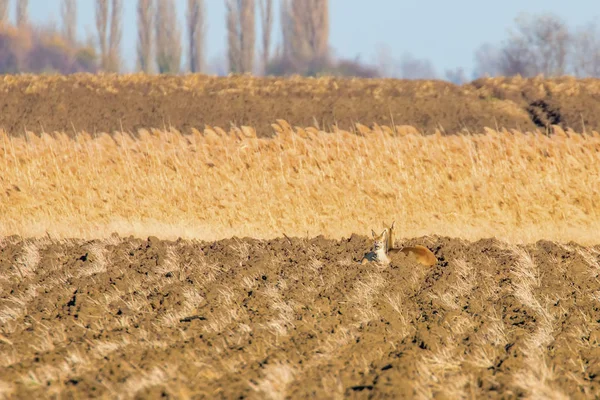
<point x="445" y="32"/>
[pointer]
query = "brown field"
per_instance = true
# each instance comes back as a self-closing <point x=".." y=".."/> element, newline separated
<point x="108" y="103"/>
<point x="300" y="319"/>
<point x="154" y="263"/>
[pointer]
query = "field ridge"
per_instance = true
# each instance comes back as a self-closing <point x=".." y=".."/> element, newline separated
<point x="108" y="102"/>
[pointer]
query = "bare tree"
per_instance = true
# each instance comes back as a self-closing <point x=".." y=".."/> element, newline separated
<point x="386" y="65"/>
<point x="22" y="12"/>
<point x="586" y="51"/>
<point x="248" y="38"/>
<point x="109" y="41"/>
<point x="287" y="28"/>
<point x="102" y="28"/>
<point x="69" y="17"/>
<point x="487" y="61"/>
<point x="414" y="68"/>
<point x="456" y="76"/>
<point x="266" y="17"/>
<point x="3" y="11"/>
<point x="513" y="58"/>
<point x="408" y="67"/>
<point x="168" y="38"/>
<point x="145" y="13"/>
<point x="516" y="58"/>
<point x="547" y="39"/>
<point x="234" y="47"/>
<point x="240" y="35"/>
<point x="539" y="45"/>
<point x="310" y="22"/>
<point x="196" y="14"/>
<point x="218" y="64"/>
<point x="116" y="33"/>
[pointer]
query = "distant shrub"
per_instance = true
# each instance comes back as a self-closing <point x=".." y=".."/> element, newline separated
<point x="282" y="66"/>
<point x="42" y="50"/>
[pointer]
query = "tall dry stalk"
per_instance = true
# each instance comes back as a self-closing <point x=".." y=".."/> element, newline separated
<point x="543" y="187"/>
<point x="102" y="29"/>
<point x="196" y="30"/>
<point x="310" y="25"/>
<point x="168" y="38"/>
<point x="3" y="11"/>
<point x="266" y="17"/>
<point x="145" y="14"/>
<point x="116" y="33"/>
<point x="240" y="35"/>
<point x="22" y="12"/>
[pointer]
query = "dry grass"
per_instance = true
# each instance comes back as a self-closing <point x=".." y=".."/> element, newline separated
<point x="537" y="377"/>
<point x="518" y="187"/>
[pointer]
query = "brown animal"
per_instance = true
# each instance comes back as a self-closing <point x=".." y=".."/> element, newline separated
<point x="423" y="255"/>
<point x="383" y="249"/>
<point x="379" y="253"/>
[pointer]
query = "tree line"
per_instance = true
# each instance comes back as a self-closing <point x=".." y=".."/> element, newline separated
<point x="37" y="49"/>
<point x="539" y="44"/>
<point x="304" y="48"/>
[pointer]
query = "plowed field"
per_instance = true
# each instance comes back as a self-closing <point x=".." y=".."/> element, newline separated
<point x="97" y="103"/>
<point x="297" y="318"/>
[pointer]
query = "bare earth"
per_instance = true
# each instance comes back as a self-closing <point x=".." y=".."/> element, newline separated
<point x="244" y="318"/>
<point x="97" y="103"/>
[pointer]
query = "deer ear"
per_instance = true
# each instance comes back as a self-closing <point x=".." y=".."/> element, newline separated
<point x="392" y="226"/>
<point x="373" y="233"/>
<point x="384" y="232"/>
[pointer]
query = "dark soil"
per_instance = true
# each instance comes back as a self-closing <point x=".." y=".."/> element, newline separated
<point x="97" y="104"/>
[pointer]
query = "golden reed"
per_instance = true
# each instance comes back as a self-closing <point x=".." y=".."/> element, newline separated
<point x="516" y="186"/>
